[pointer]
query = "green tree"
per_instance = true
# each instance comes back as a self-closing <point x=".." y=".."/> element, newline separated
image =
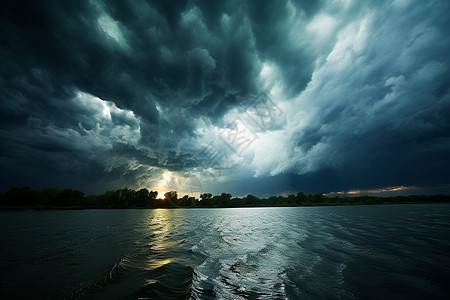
<point x="301" y="198"/>
<point x="205" y="196"/>
<point x="124" y="198"/>
<point x="152" y="198"/>
<point x="225" y="200"/>
<point x="21" y="197"/>
<point x="291" y="199"/>
<point x="251" y="200"/>
<point x="184" y="201"/>
<point x="69" y="197"/>
<point x="171" y="198"/>
<point x="106" y="198"/>
<point x="142" y="198"/>
<point x="318" y="198"/>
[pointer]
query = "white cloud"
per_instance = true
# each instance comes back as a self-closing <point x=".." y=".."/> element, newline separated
<point x="354" y="95"/>
<point x="114" y="124"/>
<point x="113" y="29"/>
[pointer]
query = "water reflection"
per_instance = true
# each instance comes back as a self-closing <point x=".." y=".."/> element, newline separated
<point x="159" y="230"/>
<point x="273" y="253"/>
<point x="164" y="260"/>
<point x="153" y="264"/>
<point x="243" y="254"/>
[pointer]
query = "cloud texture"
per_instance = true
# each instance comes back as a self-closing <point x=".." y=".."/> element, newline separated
<point x="106" y="94"/>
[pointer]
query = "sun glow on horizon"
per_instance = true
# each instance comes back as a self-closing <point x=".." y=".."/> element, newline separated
<point x="371" y="191"/>
<point x="163" y="184"/>
<point x="171" y="181"/>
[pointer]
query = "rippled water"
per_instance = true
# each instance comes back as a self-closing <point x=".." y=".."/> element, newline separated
<point x="345" y="252"/>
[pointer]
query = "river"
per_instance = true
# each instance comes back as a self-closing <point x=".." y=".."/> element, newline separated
<point x="335" y="252"/>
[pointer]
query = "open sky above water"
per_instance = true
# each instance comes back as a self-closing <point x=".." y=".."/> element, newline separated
<point x="261" y="97"/>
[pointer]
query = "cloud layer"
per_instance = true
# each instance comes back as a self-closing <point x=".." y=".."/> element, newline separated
<point x="98" y="95"/>
<point x="378" y="104"/>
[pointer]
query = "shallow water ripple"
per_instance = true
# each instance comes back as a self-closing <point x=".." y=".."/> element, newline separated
<point x="351" y="252"/>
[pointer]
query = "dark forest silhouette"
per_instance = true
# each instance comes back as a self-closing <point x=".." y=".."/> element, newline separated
<point x="54" y="198"/>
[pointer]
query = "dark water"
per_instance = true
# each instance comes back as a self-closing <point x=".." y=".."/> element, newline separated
<point x="346" y="252"/>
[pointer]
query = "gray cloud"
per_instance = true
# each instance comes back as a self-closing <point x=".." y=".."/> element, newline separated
<point x="110" y="94"/>
<point x="377" y="109"/>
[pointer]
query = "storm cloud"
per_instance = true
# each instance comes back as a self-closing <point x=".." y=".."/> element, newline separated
<point x="105" y="94"/>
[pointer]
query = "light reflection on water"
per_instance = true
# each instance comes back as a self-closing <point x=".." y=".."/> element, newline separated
<point x="397" y="251"/>
<point x="159" y="228"/>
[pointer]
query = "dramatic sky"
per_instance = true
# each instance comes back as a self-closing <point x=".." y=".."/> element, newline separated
<point x="261" y="97"/>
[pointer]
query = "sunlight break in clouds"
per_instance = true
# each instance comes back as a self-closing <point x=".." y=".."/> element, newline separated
<point x="120" y="93"/>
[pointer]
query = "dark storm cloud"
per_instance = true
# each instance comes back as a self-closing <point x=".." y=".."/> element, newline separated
<point x="189" y="58"/>
<point x="378" y="110"/>
<point x="102" y="90"/>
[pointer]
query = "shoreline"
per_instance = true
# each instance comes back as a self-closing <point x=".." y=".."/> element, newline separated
<point x="42" y="208"/>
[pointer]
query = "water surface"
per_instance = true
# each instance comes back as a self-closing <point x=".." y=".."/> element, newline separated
<point x="341" y="252"/>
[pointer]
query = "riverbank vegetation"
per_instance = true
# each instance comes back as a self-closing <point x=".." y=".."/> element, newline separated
<point x="54" y="198"/>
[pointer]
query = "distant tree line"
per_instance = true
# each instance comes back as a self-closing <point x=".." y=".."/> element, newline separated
<point x="49" y="198"/>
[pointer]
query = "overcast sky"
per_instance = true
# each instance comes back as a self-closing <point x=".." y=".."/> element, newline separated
<point x="261" y="97"/>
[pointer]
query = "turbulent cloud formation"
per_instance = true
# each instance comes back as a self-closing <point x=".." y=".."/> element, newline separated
<point x="105" y="94"/>
<point x="378" y="104"/>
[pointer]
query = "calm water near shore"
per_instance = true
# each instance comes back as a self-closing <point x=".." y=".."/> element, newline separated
<point x="337" y="252"/>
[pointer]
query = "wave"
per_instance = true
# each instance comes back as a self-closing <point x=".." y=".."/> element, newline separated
<point x="309" y="253"/>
